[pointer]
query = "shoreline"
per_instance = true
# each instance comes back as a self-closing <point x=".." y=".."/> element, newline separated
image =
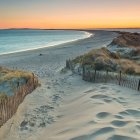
<point x="89" y="34"/>
<point x="63" y="97"/>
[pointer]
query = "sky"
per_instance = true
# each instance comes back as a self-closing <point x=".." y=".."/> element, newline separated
<point x="69" y="14"/>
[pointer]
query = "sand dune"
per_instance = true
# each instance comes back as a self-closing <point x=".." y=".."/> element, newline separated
<point x="108" y="112"/>
<point x="67" y="108"/>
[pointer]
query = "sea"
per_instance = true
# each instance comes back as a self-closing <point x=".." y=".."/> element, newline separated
<point x="16" y="40"/>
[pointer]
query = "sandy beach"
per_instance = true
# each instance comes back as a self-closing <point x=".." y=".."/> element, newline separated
<point x="67" y="108"/>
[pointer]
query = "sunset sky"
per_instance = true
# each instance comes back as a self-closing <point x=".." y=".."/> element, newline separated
<point x="54" y="14"/>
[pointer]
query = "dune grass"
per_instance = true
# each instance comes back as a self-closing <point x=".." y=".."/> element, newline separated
<point x="3" y="96"/>
<point x="103" y="59"/>
<point x="9" y="75"/>
<point x="6" y="74"/>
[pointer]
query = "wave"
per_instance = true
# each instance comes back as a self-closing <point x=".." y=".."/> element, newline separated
<point x="86" y="35"/>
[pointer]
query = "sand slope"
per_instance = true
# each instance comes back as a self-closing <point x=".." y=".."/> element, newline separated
<point x="91" y="111"/>
<point x="67" y="108"/>
<point x="102" y="111"/>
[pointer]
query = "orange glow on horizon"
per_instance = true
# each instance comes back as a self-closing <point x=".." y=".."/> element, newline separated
<point x="72" y="25"/>
<point x="72" y="14"/>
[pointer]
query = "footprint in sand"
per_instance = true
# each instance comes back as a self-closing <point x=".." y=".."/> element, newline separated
<point x="99" y="97"/>
<point x="104" y="87"/>
<point x="102" y="115"/>
<point x="119" y="117"/>
<point x="118" y="123"/>
<point x="91" y="122"/>
<point x="84" y="137"/>
<point x="123" y="113"/>
<point x="94" y="135"/>
<point x="120" y="100"/>
<point x="120" y="137"/>
<point x="89" y="91"/>
<point x="108" y="100"/>
<point x="131" y="113"/>
<point x="102" y="131"/>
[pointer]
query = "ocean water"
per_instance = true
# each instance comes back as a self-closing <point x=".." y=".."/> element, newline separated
<point x="22" y="40"/>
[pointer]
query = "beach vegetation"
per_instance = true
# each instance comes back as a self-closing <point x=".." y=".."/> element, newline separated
<point x="103" y="59"/>
<point x="6" y="74"/>
<point x="3" y="96"/>
<point x="130" y="70"/>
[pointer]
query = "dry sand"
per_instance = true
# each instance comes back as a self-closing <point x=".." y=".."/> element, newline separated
<point x="67" y="108"/>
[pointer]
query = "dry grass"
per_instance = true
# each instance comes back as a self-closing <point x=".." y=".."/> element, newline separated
<point x="6" y="74"/>
<point x="103" y="59"/>
<point x="130" y="65"/>
<point x="126" y="39"/>
<point x="3" y="96"/>
<point x="95" y="56"/>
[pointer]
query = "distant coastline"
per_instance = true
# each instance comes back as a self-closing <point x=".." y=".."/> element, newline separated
<point x="64" y="28"/>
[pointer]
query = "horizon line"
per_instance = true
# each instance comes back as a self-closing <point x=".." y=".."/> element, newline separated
<point x="68" y="28"/>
